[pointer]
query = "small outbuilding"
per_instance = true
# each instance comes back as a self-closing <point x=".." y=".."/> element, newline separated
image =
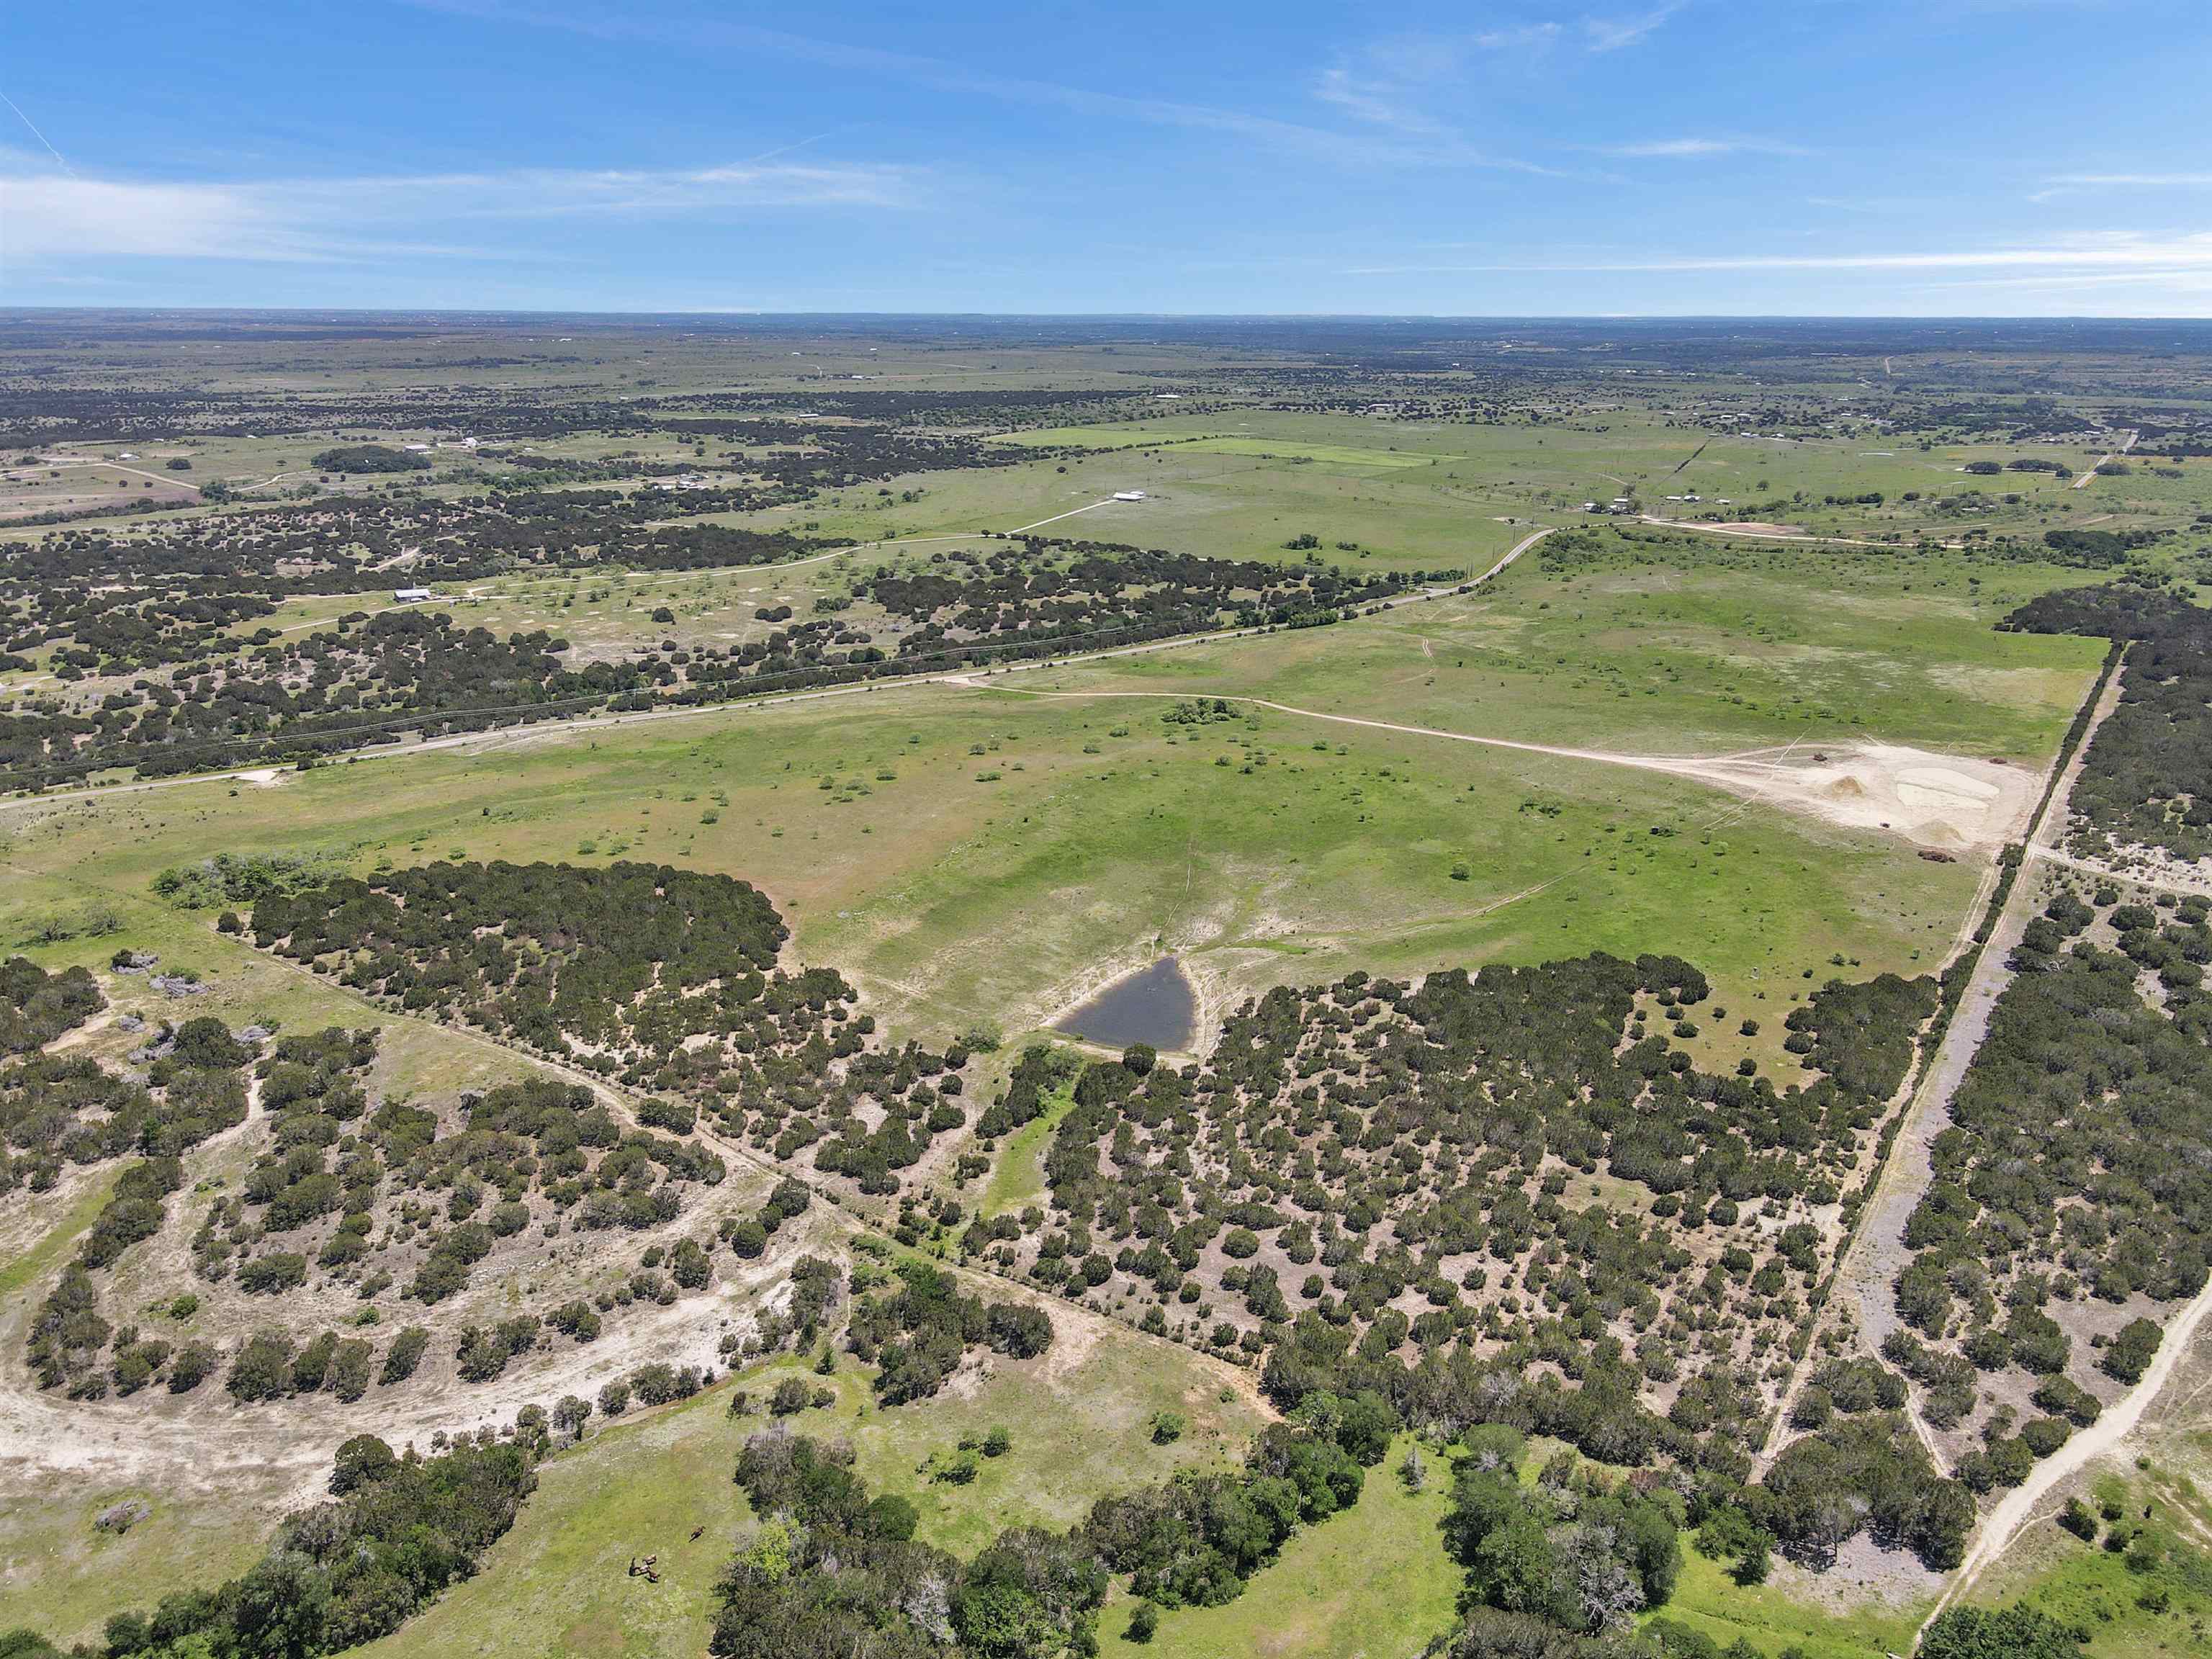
<point x="412" y="595"/>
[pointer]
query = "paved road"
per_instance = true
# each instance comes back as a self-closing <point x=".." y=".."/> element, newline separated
<point x="2129" y="443"/>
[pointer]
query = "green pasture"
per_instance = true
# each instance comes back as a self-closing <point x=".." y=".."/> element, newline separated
<point x="908" y="833"/>
<point x="559" y="1585"/>
<point x="1372" y="1582"/>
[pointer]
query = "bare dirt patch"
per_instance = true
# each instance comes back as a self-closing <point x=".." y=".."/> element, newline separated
<point x="1946" y="802"/>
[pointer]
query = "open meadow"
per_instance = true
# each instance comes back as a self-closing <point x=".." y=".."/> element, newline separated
<point x="546" y="880"/>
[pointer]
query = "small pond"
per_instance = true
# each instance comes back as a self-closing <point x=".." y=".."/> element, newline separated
<point x="1154" y="1005"/>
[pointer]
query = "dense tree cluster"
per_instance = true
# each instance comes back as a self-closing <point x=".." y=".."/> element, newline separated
<point x="371" y="458"/>
<point x="1194" y="1540"/>
<point x="1863" y="1474"/>
<point x="353" y="1192"/>
<point x="1046" y="595"/>
<point x="2148" y="777"/>
<point x="665" y="979"/>
<point x="58" y="1110"/>
<point x="917" y="1335"/>
<point x="1575" y="1550"/>
<point x="670" y="952"/>
<point x="177" y="691"/>
<point x="37" y="1006"/>
<point x="55" y="1108"/>
<point x="397" y="1532"/>
<point x="831" y="1571"/>
<point x="314" y="693"/>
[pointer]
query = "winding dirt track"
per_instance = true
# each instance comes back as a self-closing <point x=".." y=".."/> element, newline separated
<point x="2105" y="1435"/>
<point x="498" y="736"/>
<point x="39" y="1430"/>
<point x="113" y="1444"/>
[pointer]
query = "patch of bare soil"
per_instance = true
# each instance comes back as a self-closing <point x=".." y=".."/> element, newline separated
<point x="1864" y="1575"/>
<point x="1944" y="802"/>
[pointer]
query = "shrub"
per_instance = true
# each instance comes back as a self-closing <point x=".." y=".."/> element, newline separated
<point x="2129" y="1352"/>
<point x="404" y="1354"/>
<point x="263" y="1368"/>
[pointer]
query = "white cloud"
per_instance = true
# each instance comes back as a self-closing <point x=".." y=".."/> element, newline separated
<point x="2112" y="252"/>
<point x="49" y="216"/>
<point x="1612" y="34"/>
<point x="2131" y="181"/>
<point x="43" y="216"/>
<point x="1379" y="102"/>
<point x="1699" y="149"/>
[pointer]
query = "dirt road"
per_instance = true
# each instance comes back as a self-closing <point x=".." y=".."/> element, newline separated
<point x="1862" y="1290"/>
<point x="2112" y="1427"/>
<point x="1744" y="534"/>
<point x="169" y="478"/>
<point x="498" y="736"/>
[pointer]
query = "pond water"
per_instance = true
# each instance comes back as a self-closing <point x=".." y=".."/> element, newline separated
<point x="1154" y="1005"/>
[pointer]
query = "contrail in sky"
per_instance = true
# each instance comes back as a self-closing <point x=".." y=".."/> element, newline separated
<point x="35" y="133"/>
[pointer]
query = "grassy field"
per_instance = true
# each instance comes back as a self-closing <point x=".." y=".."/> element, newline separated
<point x="60" y="1572"/>
<point x="1702" y="648"/>
<point x="1017" y="1178"/>
<point x="1095" y="848"/>
<point x="1082" y="825"/>
<point x="1774" y="1616"/>
<point x="1371" y="1583"/>
<point x="62" y="1575"/>
<point x="987" y="854"/>
<point x="558" y="1584"/>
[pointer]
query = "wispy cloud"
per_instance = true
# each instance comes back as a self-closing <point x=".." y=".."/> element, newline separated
<point x="50" y="217"/>
<point x="2111" y="252"/>
<point x="1699" y="149"/>
<point x="943" y="75"/>
<point x="1613" y="33"/>
<point x="1413" y="85"/>
<point x="2065" y="183"/>
<point x="1377" y="101"/>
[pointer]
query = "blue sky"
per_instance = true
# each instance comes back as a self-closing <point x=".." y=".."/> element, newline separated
<point x="1893" y="157"/>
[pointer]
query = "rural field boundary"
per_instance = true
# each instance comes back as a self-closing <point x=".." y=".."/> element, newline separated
<point x="1920" y="1097"/>
<point x="497" y="728"/>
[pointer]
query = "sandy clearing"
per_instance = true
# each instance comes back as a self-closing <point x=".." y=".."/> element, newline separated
<point x="1943" y="802"/>
<point x="1859" y="1297"/>
<point x="174" y="1443"/>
